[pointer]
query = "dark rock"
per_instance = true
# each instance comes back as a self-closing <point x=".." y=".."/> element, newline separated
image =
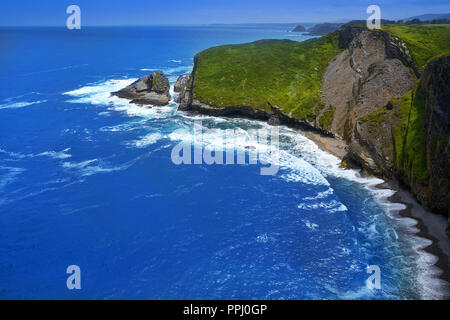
<point x="149" y="90"/>
<point x="299" y="29"/>
<point x="274" y="121"/>
<point x="436" y="84"/>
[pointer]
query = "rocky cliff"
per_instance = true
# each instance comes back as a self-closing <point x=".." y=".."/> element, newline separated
<point x="435" y="83"/>
<point x="383" y="94"/>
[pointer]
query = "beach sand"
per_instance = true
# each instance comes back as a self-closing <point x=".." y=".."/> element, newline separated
<point x="431" y="226"/>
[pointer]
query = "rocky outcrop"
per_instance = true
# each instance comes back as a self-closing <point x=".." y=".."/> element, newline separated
<point x="299" y="28"/>
<point x="149" y="90"/>
<point x="181" y="82"/>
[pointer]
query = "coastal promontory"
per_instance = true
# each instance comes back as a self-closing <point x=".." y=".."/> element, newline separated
<point x="383" y="93"/>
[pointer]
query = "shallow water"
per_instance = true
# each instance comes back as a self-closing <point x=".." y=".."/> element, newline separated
<point x="87" y="179"/>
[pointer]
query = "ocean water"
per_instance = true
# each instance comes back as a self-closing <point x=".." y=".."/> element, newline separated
<point x="87" y="179"/>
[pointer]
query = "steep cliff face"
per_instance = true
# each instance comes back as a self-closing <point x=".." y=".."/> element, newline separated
<point x="363" y="78"/>
<point x="435" y="84"/>
<point x="408" y="139"/>
<point x="395" y="120"/>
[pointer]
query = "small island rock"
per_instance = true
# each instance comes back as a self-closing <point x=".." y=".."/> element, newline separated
<point x="149" y="90"/>
<point x="299" y="28"/>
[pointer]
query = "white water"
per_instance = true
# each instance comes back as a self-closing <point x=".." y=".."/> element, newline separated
<point x="314" y="167"/>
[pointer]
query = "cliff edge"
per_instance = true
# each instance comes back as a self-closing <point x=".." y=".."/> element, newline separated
<point x="385" y="93"/>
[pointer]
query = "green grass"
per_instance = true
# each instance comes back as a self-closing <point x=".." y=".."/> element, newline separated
<point x="425" y="42"/>
<point x="413" y="154"/>
<point x="407" y="119"/>
<point x="326" y="118"/>
<point x="409" y="135"/>
<point x="376" y="116"/>
<point x="289" y="74"/>
<point x="285" y="73"/>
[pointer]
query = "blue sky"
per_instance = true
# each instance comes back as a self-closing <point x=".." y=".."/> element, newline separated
<point x="147" y="12"/>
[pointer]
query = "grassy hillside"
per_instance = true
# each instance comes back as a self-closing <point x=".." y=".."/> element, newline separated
<point x="408" y="120"/>
<point x="285" y="73"/>
<point x="425" y="42"/>
<point x="288" y="73"/>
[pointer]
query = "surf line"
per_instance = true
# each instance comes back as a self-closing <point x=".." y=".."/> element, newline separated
<point x="214" y="152"/>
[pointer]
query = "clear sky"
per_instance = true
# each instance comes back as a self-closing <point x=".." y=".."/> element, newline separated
<point x="148" y="12"/>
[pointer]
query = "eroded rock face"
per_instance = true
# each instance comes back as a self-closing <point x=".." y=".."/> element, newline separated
<point x="363" y="78"/>
<point x="181" y="82"/>
<point x="149" y="90"/>
<point x="185" y="93"/>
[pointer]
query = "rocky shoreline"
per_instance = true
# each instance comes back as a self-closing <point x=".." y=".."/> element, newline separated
<point x="430" y="226"/>
<point x="362" y="86"/>
<point x="366" y="89"/>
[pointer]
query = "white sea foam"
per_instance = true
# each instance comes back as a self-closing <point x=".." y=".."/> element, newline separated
<point x="22" y="104"/>
<point x="56" y="154"/>
<point x="10" y="175"/>
<point x="52" y="154"/>
<point x="310" y="225"/>
<point x="93" y="166"/>
<point x="331" y="206"/>
<point x="100" y="94"/>
<point x="320" y="195"/>
<point x="101" y="87"/>
<point x="431" y="287"/>
<point x="147" y="140"/>
<point x="293" y="168"/>
<point x="302" y="161"/>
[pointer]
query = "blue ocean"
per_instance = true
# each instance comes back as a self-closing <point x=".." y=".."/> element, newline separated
<point x="87" y="179"/>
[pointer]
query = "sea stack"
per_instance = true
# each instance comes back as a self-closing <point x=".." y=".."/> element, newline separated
<point x="149" y="90"/>
<point x="299" y="28"/>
